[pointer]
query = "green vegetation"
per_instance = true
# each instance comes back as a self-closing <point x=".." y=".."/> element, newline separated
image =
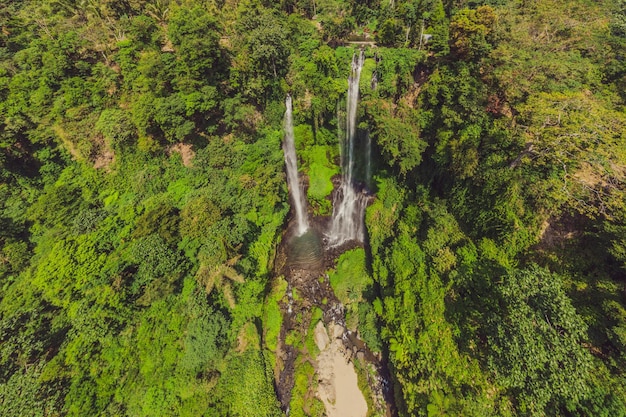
<point x="309" y="340"/>
<point x="246" y="387"/>
<point x="353" y="285"/>
<point x="303" y="400"/>
<point x="272" y="317"/>
<point x="142" y="199"/>
<point x="350" y="278"/>
<point x="320" y="172"/>
<point x="510" y="178"/>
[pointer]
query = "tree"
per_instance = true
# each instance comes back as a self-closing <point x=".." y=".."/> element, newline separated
<point x="438" y="27"/>
<point x="158" y="268"/>
<point x="535" y="339"/>
<point x="469" y="30"/>
<point x="397" y="135"/>
<point x="576" y="143"/>
<point x="219" y="275"/>
<point x="116" y="127"/>
<point x="267" y="45"/>
<point x="206" y="337"/>
<point x="615" y="68"/>
<point x="195" y="36"/>
<point x="247" y="386"/>
<point x="170" y="114"/>
<point x="388" y="33"/>
<point x="337" y="25"/>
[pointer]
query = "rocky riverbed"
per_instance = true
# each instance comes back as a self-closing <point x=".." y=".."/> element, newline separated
<point x="303" y="263"/>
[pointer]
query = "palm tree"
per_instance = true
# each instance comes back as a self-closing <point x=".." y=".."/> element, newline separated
<point x="159" y="10"/>
<point x="221" y="276"/>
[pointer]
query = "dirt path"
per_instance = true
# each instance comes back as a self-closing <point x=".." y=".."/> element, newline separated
<point x="338" y="384"/>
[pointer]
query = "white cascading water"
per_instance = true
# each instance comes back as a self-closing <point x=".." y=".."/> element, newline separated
<point x="348" y="204"/>
<point x="289" y="148"/>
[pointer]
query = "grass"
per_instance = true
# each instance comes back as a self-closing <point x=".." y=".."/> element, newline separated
<point x="294" y="338"/>
<point x="320" y="171"/>
<point x="248" y="338"/>
<point x="350" y="278"/>
<point x="303" y="400"/>
<point x="309" y="340"/>
<point x="317" y="156"/>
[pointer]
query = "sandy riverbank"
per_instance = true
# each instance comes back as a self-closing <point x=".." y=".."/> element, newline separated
<point x="338" y="385"/>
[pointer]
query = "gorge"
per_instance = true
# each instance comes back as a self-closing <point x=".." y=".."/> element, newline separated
<point x="305" y="261"/>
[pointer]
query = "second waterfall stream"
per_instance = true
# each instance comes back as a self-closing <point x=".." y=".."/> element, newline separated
<point x="348" y="204"/>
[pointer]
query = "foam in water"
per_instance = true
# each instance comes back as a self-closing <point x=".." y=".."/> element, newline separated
<point x="289" y="148"/>
<point x="349" y="205"/>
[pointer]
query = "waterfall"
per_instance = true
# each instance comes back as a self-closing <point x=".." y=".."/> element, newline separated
<point x="374" y="82"/>
<point x="348" y="204"/>
<point x="289" y="148"/>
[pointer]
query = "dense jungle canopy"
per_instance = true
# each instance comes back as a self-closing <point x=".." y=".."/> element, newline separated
<point x="143" y="200"/>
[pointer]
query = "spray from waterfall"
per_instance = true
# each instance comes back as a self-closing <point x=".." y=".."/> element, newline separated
<point x="348" y="204"/>
<point x="291" y="162"/>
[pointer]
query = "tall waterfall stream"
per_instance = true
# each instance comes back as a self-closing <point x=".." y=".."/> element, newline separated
<point x="349" y="204"/>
